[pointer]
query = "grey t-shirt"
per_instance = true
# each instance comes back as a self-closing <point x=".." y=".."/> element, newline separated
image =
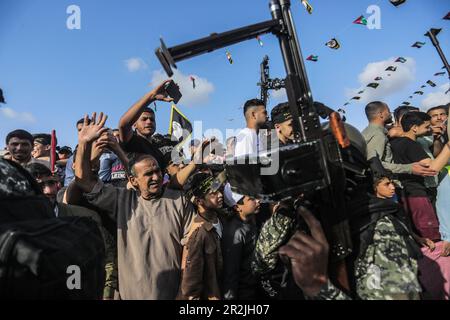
<point x="149" y="234"/>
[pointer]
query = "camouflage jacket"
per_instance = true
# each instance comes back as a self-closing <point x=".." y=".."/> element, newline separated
<point x="384" y="271"/>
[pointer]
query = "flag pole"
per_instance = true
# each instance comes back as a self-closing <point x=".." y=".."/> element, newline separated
<point x="435" y="42"/>
<point x="53" y="151"/>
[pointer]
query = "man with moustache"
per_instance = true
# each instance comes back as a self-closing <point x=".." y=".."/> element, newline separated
<point x="378" y="145"/>
<point x="20" y="145"/>
<point x="152" y="219"/>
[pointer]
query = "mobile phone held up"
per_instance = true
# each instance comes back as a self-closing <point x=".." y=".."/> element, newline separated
<point x="173" y="91"/>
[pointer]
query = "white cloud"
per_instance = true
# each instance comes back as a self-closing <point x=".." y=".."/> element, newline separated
<point x="18" y="116"/>
<point x="191" y="96"/>
<point x="278" y="95"/>
<point x="135" y="64"/>
<point x="437" y="98"/>
<point x="398" y="80"/>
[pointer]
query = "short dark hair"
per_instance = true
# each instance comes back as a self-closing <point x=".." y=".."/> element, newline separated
<point x="43" y="138"/>
<point x="378" y="178"/>
<point x="373" y="108"/>
<point x="411" y="119"/>
<point x="21" y="134"/>
<point x="401" y="110"/>
<point x="81" y="121"/>
<point x="38" y="170"/>
<point x="253" y="103"/>
<point x="138" y="157"/>
<point x="444" y="107"/>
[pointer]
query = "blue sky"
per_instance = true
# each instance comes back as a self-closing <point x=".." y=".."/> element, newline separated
<point x="51" y="75"/>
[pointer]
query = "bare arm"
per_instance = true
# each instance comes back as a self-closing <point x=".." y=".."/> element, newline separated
<point x="442" y="159"/>
<point x="132" y="115"/>
<point x="88" y="134"/>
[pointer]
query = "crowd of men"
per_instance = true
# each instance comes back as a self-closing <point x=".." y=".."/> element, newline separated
<point x="173" y="227"/>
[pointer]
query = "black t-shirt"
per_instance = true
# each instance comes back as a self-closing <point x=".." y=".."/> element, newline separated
<point x="139" y="144"/>
<point x="406" y="151"/>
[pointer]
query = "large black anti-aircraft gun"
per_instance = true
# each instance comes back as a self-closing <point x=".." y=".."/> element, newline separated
<point x="313" y="164"/>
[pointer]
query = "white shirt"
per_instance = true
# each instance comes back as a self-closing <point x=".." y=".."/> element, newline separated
<point x="247" y="143"/>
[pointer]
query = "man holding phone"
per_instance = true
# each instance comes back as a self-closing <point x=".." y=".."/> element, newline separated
<point x="142" y="119"/>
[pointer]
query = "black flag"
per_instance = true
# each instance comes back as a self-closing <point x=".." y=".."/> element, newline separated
<point x="2" y="99"/>
<point x="179" y="127"/>
<point x="373" y="85"/>
<point x="391" y="68"/>
<point x="406" y="103"/>
<point x="419" y="92"/>
<point x="397" y="2"/>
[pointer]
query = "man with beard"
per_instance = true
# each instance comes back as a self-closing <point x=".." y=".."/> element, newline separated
<point x="378" y="145"/>
<point x="248" y="139"/>
<point x="20" y="144"/>
<point x="439" y="118"/>
<point x="151" y="220"/>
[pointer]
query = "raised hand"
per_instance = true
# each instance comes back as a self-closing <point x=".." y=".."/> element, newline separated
<point x="199" y="155"/>
<point x="93" y="130"/>
<point x="160" y="94"/>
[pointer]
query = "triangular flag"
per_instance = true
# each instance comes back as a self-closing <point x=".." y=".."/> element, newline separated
<point x="423" y="86"/>
<point x="2" y="99"/>
<point x="361" y="20"/>
<point x="419" y="92"/>
<point x="308" y="7"/>
<point x="397" y="2"/>
<point x="434" y="31"/>
<point x="410" y="97"/>
<point x="378" y="78"/>
<point x="418" y="44"/>
<point x="406" y="103"/>
<point x="439" y="74"/>
<point x="179" y="127"/>
<point x="259" y="41"/>
<point x="312" y="58"/>
<point x="193" y="81"/>
<point x="230" y="59"/>
<point x="346" y="104"/>
<point x="431" y="83"/>
<point x="391" y="68"/>
<point x="401" y="60"/>
<point x="362" y="91"/>
<point x="447" y="16"/>
<point x="373" y="85"/>
<point x="333" y="44"/>
<point x="355" y="98"/>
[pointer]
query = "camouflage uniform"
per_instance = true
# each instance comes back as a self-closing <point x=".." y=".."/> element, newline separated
<point x="384" y="271"/>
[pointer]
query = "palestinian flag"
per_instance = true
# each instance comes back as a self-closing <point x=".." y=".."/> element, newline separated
<point x="179" y="127"/>
<point x="361" y="20"/>
<point x="308" y="7"/>
<point x="401" y="60"/>
<point x="313" y="58"/>
<point x="447" y="17"/>
<point x="406" y="103"/>
<point x="431" y="83"/>
<point x="397" y="2"/>
<point x="418" y="44"/>
<point x="373" y="85"/>
<point x="419" y="92"/>
<point x="355" y="98"/>
<point x="2" y="99"/>
<point x="362" y="91"/>
<point x="439" y="74"/>
<point x="378" y="78"/>
<point x="391" y="68"/>
<point x="333" y="44"/>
